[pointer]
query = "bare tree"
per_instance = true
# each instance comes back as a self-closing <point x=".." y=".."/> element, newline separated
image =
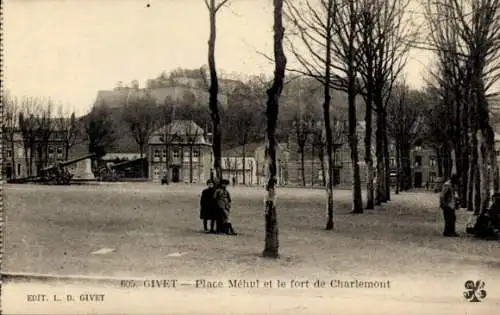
<point x="213" y="8"/>
<point x="465" y="34"/>
<point x="271" y="248"/>
<point x="68" y="130"/>
<point x="99" y="130"/>
<point x="244" y="115"/>
<point x="139" y="115"/>
<point x="391" y="33"/>
<point x="167" y="132"/>
<point x="405" y="111"/>
<point x="302" y="130"/>
<point x="10" y="128"/>
<point x="319" y="143"/>
<point x="30" y="108"/>
<point x="315" y="29"/>
<point x="44" y="131"/>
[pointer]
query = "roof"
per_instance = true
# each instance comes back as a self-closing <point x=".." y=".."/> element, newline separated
<point x="121" y="156"/>
<point x="238" y="151"/>
<point x="179" y="128"/>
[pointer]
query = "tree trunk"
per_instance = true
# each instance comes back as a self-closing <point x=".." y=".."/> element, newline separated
<point x="141" y="153"/>
<point x="13" y="156"/>
<point x="191" y="163"/>
<point x="439" y="162"/>
<point x="398" y="166"/>
<point x="302" y="167"/>
<point x="244" y="164"/>
<point x="368" y="151"/>
<point x="271" y="248"/>
<point x="66" y="150"/>
<point x="357" y="202"/>
<point x="471" y="175"/>
<point x="214" y="91"/>
<point x="406" y="168"/>
<point x="387" y="174"/>
<point x="323" y="171"/>
<point x="328" y="130"/>
<point x="483" y="170"/>
<point x="379" y="150"/>
<point x="313" y="171"/>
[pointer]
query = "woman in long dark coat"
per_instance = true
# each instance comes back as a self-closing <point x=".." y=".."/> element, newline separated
<point x="207" y="207"/>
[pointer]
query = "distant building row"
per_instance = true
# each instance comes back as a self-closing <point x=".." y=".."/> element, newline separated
<point x="182" y="152"/>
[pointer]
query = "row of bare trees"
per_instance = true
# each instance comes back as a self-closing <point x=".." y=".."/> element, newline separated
<point x="465" y="36"/>
<point x="359" y="47"/>
<point x="38" y="125"/>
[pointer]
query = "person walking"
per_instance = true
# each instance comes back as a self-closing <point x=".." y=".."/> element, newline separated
<point x="223" y="205"/>
<point x="448" y="204"/>
<point x="208" y="207"/>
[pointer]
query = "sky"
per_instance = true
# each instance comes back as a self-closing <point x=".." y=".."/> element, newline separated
<point x="67" y="50"/>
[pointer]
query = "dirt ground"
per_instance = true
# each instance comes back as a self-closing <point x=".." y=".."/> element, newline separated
<point x="154" y="232"/>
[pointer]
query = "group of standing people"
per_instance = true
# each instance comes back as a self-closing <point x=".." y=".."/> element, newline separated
<point x="215" y="205"/>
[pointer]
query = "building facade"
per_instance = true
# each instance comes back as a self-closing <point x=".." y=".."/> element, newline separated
<point x="282" y="160"/>
<point x="239" y="169"/>
<point x="181" y="152"/>
<point x="21" y="159"/>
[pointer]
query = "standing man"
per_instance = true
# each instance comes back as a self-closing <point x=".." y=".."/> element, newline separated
<point x="208" y="207"/>
<point x="223" y="202"/>
<point x="447" y="202"/>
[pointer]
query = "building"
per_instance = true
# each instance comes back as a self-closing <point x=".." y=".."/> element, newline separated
<point x="282" y="166"/>
<point x="180" y="151"/>
<point x="424" y="166"/>
<point x="243" y="170"/>
<point x="47" y="148"/>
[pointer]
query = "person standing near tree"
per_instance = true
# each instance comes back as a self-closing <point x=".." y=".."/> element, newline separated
<point x="448" y="204"/>
<point x="223" y="202"/>
<point x="208" y="207"/>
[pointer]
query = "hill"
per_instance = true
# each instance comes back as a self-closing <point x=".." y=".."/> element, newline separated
<point x="191" y="102"/>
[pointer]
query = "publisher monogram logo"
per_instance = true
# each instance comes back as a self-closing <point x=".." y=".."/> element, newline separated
<point x="475" y="291"/>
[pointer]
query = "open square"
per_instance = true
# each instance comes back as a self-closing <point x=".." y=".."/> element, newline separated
<point x="145" y="230"/>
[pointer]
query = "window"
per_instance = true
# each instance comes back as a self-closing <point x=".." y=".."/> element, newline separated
<point x="18" y="169"/>
<point x="393" y="162"/>
<point x="338" y="157"/>
<point x="418" y="161"/>
<point x="176" y="138"/>
<point x="432" y="161"/>
<point x="196" y="155"/>
<point x="51" y="151"/>
<point x="156" y="157"/>
<point x="20" y="152"/>
<point x="164" y="155"/>
<point x="175" y="154"/>
<point x="432" y="177"/>
<point x="186" y="156"/>
<point x="418" y="148"/>
<point x="59" y="152"/>
<point x="9" y="153"/>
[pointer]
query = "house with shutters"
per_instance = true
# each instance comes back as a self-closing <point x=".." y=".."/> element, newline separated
<point x="180" y="151"/>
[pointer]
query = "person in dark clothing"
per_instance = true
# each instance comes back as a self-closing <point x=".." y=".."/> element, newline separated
<point x="223" y="205"/>
<point x="208" y="207"/>
<point x="447" y="202"/>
